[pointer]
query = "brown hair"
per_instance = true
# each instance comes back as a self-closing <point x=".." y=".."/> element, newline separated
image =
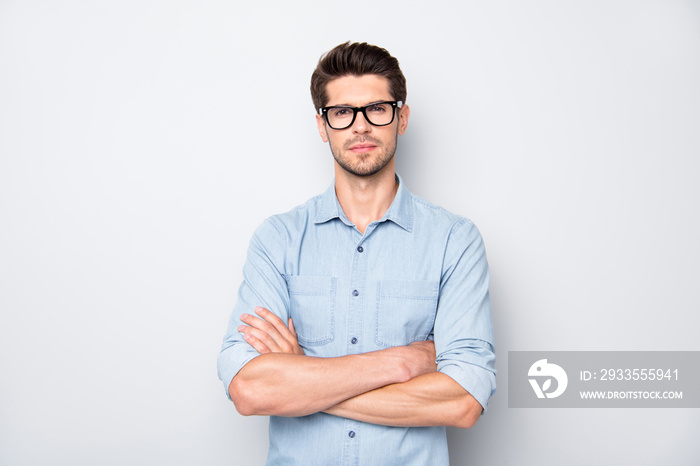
<point x="356" y="59"/>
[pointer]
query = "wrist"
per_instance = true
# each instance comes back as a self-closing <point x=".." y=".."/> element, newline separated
<point x="395" y="364"/>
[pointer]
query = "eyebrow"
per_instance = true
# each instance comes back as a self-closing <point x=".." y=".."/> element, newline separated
<point x="365" y="105"/>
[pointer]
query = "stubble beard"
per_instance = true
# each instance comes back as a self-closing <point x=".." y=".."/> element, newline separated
<point x="362" y="165"/>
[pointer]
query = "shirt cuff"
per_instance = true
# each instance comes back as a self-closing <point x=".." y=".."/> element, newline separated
<point x="231" y="360"/>
<point x="479" y="382"/>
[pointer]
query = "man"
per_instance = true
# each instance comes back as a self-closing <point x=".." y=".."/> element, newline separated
<point x="363" y="324"/>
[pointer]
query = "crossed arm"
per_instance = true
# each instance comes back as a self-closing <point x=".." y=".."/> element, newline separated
<point x="397" y="386"/>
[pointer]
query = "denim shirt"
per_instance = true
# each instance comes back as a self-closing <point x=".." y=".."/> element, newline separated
<point x="418" y="273"/>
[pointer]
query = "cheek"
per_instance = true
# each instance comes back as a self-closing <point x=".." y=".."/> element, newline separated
<point x="336" y="141"/>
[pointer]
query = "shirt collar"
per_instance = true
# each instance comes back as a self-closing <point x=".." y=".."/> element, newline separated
<point x="400" y="211"/>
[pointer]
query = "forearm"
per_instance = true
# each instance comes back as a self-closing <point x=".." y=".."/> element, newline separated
<point x="432" y="399"/>
<point x="294" y="385"/>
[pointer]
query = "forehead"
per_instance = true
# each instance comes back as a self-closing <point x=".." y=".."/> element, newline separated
<point x="357" y="90"/>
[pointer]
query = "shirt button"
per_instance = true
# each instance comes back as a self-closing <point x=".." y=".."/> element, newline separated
<point x="354" y="340"/>
<point x="360" y="249"/>
<point x="355" y="292"/>
<point x="351" y="434"/>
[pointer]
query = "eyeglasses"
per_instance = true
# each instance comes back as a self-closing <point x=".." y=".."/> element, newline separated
<point x="377" y="114"/>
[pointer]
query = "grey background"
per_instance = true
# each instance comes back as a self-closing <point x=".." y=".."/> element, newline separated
<point x="140" y="145"/>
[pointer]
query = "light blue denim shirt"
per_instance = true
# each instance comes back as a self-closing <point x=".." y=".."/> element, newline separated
<point x="418" y="273"/>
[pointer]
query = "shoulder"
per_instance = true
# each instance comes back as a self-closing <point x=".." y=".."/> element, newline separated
<point x="299" y="215"/>
<point x="439" y="219"/>
<point x="292" y="222"/>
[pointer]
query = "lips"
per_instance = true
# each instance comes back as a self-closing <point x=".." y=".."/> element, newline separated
<point x="362" y="147"/>
<point x="364" y="144"/>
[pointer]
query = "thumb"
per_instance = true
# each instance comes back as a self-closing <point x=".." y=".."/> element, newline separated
<point x="291" y="327"/>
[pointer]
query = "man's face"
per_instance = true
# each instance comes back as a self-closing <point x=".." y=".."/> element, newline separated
<point x="362" y="149"/>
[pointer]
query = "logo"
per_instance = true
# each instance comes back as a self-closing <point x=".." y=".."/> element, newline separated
<point x="546" y="371"/>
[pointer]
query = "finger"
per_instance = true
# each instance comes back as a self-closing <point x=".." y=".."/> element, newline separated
<point x="291" y="329"/>
<point x="295" y="343"/>
<point x="286" y="338"/>
<point x="272" y="319"/>
<point x="257" y="322"/>
<point x="259" y="346"/>
<point x="263" y="325"/>
<point x="261" y="336"/>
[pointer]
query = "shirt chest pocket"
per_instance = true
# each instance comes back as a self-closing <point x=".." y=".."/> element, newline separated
<point x="312" y="308"/>
<point x="405" y="311"/>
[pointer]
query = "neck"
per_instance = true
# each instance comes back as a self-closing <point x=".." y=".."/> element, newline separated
<point x="365" y="199"/>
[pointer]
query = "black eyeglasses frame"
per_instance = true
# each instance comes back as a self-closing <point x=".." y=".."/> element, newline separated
<point x="394" y="105"/>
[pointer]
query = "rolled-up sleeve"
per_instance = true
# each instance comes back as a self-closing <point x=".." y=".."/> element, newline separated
<point x="464" y="341"/>
<point x="263" y="285"/>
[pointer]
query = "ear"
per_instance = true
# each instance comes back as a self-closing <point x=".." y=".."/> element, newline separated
<point x="322" y="130"/>
<point x="404" y="113"/>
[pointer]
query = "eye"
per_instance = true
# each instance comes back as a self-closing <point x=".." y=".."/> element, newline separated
<point x="377" y="109"/>
<point x="340" y="112"/>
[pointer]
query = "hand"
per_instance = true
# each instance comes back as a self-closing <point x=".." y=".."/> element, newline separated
<point x="268" y="334"/>
<point x="421" y="358"/>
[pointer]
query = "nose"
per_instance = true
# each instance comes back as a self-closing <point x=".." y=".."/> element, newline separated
<point x="361" y="125"/>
